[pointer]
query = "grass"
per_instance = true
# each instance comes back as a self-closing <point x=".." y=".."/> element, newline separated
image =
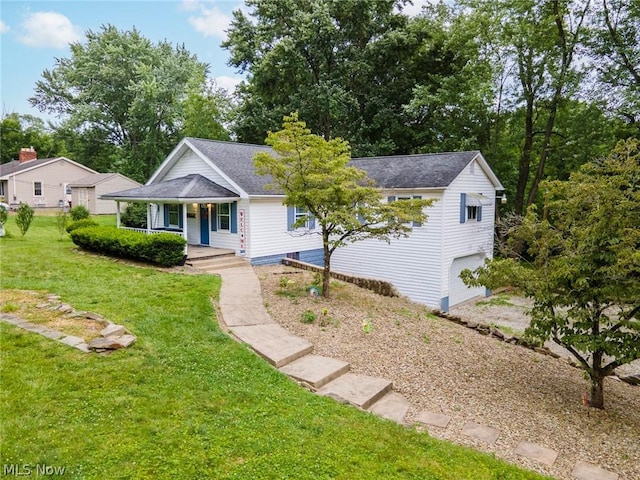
<point x="500" y="300"/>
<point x="185" y="401"/>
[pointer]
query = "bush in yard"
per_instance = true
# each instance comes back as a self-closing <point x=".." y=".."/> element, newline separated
<point x="79" y="212"/>
<point x="135" y="216"/>
<point x="24" y="217"/>
<point x="163" y="249"/>
<point x="85" y="222"/>
<point x="62" y="218"/>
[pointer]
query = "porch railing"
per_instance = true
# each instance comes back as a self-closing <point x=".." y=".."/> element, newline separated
<point x="152" y="232"/>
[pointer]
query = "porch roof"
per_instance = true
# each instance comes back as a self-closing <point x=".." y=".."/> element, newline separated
<point x="191" y="188"/>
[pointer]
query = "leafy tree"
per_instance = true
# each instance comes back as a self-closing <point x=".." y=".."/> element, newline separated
<point x="135" y="215"/>
<point x="206" y="110"/>
<point x="349" y="67"/>
<point x="122" y="87"/>
<point x="18" y="131"/>
<point x="24" y="217"/>
<point x="314" y="173"/>
<point x="617" y="57"/>
<point x="584" y="272"/>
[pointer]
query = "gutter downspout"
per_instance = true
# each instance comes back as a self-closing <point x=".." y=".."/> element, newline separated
<point x="184" y="227"/>
<point x="117" y="214"/>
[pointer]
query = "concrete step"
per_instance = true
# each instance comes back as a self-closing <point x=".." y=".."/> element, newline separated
<point x="219" y="263"/>
<point x="315" y="370"/>
<point x="359" y="390"/>
<point x="273" y="343"/>
<point x="393" y="406"/>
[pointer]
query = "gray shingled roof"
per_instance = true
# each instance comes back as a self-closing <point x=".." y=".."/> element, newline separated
<point x="190" y="187"/>
<point x="15" y="166"/>
<point x="236" y="161"/>
<point x="92" y="179"/>
<point x="434" y="170"/>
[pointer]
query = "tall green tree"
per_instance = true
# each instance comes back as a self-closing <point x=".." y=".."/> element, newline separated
<point x="584" y="268"/>
<point x="122" y="85"/>
<point x="206" y="110"/>
<point x="616" y="55"/>
<point x="349" y="67"/>
<point x="18" y="131"/>
<point x="537" y="44"/>
<point x="315" y="174"/>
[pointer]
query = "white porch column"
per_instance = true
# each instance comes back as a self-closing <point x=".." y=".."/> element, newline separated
<point x="117" y="214"/>
<point x="148" y="217"/>
<point x="184" y="226"/>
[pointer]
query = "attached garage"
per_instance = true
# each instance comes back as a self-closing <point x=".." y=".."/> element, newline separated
<point x="458" y="291"/>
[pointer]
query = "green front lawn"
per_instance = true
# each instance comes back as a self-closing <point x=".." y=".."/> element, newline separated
<point x="185" y="401"/>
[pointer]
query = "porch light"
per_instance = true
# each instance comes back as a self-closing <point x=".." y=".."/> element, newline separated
<point x="503" y="198"/>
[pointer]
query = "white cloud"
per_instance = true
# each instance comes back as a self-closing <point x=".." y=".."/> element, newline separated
<point x="228" y="83"/>
<point x="416" y="8"/>
<point x="48" y="29"/>
<point x="211" y="22"/>
<point x="4" y="27"/>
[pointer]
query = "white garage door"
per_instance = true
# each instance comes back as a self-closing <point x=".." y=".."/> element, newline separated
<point x="458" y="291"/>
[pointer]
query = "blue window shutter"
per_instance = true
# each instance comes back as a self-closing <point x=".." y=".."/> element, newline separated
<point x="291" y="218"/>
<point x="417" y="224"/>
<point x="391" y="198"/>
<point x="463" y="207"/>
<point x="312" y="222"/>
<point x="214" y="217"/>
<point x="233" y="211"/>
<point x="180" y="207"/>
<point x="479" y="216"/>
<point x="166" y="215"/>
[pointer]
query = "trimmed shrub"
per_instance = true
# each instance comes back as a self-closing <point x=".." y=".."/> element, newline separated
<point x="79" y="212"/>
<point x="24" y="217"/>
<point x="135" y="215"/>
<point x="85" y="222"/>
<point x="163" y="249"/>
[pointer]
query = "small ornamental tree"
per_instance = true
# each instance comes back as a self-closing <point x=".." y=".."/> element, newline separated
<point x="315" y="174"/>
<point x="24" y="217"/>
<point x="584" y="269"/>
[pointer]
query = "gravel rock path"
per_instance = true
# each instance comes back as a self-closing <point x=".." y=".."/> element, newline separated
<point x="446" y="368"/>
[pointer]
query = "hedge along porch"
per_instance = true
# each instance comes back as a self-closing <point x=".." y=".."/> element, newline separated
<point x="199" y="210"/>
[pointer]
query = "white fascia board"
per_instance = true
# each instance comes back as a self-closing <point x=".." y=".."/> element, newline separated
<point x="488" y="172"/>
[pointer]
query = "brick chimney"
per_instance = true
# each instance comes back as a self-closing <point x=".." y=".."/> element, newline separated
<point x="27" y="154"/>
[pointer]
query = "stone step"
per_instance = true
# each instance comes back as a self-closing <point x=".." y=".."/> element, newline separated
<point x="315" y="370"/>
<point x="273" y="343"/>
<point x="218" y="263"/>
<point x="359" y="390"/>
<point x="393" y="406"/>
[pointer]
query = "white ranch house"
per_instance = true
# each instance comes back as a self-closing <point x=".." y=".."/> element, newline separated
<point x="208" y="192"/>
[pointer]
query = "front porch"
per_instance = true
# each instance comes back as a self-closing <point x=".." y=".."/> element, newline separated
<point x="202" y="252"/>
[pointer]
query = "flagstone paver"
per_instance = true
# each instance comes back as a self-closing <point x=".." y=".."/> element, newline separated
<point x="481" y="432"/>
<point x="71" y="340"/>
<point x="537" y="452"/>
<point x="587" y="471"/>
<point x="435" y="419"/>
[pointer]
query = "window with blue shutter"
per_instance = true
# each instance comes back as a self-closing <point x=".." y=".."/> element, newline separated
<point x="214" y="217"/>
<point x="234" y="217"/>
<point x="295" y="214"/>
<point x="463" y="207"/>
<point x="291" y="218"/>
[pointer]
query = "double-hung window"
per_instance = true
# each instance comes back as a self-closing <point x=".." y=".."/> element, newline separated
<point x="174" y="216"/>
<point x="302" y="214"/>
<point x="224" y="216"/>
<point x="37" y="189"/>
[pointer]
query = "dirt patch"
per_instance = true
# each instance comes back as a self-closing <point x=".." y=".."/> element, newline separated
<point x="446" y="368"/>
<point x="38" y="307"/>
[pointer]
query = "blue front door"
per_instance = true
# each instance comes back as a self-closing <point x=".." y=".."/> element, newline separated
<point x="204" y="224"/>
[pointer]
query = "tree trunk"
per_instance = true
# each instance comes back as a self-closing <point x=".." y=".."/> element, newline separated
<point x="525" y="160"/>
<point x="326" y="273"/>
<point x="597" y="391"/>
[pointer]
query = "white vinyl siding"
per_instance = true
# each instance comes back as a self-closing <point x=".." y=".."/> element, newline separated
<point x="411" y="264"/>
<point x="267" y="231"/>
<point x="191" y="163"/>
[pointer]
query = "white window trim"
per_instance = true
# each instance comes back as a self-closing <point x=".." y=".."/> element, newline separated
<point x="220" y="215"/>
<point x="298" y="213"/>
<point x="41" y="188"/>
<point x="177" y="213"/>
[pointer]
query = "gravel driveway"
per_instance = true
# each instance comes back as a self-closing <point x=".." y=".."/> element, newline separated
<point x="446" y="368"/>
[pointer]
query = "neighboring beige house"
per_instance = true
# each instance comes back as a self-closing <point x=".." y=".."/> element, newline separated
<point x="86" y="191"/>
<point x="39" y="182"/>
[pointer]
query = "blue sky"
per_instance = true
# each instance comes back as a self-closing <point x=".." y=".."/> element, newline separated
<point x="34" y="33"/>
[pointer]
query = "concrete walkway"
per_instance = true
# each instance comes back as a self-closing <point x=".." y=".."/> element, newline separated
<point x="243" y="314"/>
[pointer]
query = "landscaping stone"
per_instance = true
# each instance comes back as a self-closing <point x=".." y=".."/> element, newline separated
<point x="127" y="340"/>
<point x="537" y="452"/>
<point x="359" y="390"/>
<point x="434" y="419"/>
<point x="82" y="347"/>
<point x="586" y="471"/>
<point x="481" y="432"/>
<point x="12" y="319"/>
<point x="315" y="370"/>
<point x="112" y="330"/>
<point x="32" y="327"/>
<point x="53" y="334"/>
<point x="71" y="340"/>
<point x="108" y="343"/>
<point x="42" y="305"/>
